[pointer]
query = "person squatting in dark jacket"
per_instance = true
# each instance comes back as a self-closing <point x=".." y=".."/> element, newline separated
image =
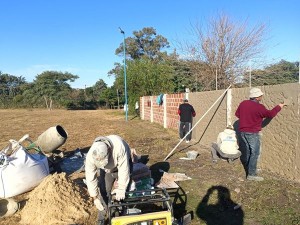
<point x="186" y="112"/>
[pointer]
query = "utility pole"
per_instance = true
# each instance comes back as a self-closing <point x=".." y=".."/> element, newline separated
<point x="250" y="76"/>
<point x="118" y="98"/>
<point x="216" y="79"/>
<point x="84" y="96"/>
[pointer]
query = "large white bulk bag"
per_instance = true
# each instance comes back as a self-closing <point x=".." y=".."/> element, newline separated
<point x="21" y="172"/>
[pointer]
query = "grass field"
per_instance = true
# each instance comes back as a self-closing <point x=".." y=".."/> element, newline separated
<point x="217" y="194"/>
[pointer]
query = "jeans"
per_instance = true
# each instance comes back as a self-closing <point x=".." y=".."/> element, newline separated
<point x="184" y="128"/>
<point x="252" y="144"/>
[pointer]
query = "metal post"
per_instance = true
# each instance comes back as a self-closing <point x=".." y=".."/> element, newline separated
<point x="125" y="81"/>
<point x="118" y="98"/>
<point x="216" y="79"/>
<point x="250" y="76"/>
<point x="84" y="96"/>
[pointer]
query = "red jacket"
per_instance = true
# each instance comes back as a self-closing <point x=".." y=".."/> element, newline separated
<point x="251" y="114"/>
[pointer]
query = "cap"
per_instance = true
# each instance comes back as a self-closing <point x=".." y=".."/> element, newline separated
<point x="255" y="92"/>
<point x="99" y="150"/>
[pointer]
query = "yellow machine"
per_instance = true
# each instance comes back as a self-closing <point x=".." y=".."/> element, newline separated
<point x="147" y="207"/>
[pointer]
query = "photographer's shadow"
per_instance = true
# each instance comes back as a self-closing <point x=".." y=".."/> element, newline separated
<point x="217" y="208"/>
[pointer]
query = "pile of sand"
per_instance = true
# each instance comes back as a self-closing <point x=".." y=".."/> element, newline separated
<point x="57" y="200"/>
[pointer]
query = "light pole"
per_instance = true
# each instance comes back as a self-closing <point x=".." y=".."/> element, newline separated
<point x="216" y="79"/>
<point x="250" y="75"/>
<point x="118" y="98"/>
<point x="125" y="81"/>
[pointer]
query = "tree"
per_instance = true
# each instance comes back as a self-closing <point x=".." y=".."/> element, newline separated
<point x="147" y="77"/>
<point x="98" y="88"/>
<point x="185" y="73"/>
<point x="118" y="72"/>
<point x="109" y="96"/>
<point x="92" y="95"/>
<point x="144" y="43"/>
<point x="10" y="87"/>
<point x="147" y="70"/>
<point x="225" y="47"/>
<point x="278" y="73"/>
<point x="53" y="86"/>
<point x="11" y="83"/>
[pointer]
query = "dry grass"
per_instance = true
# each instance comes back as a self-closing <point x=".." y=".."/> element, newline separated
<point x="273" y="201"/>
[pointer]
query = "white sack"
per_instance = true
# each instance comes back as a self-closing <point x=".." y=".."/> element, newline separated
<point x="22" y="172"/>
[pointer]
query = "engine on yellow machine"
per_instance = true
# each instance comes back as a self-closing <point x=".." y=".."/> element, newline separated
<point x="143" y="207"/>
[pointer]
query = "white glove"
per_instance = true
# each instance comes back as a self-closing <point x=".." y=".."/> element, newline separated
<point x="120" y="194"/>
<point x="98" y="204"/>
<point x="107" y="170"/>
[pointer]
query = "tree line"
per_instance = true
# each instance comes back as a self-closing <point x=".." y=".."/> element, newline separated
<point x="217" y="56"/>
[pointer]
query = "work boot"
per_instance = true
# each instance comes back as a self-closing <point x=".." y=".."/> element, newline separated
<point x="255" y="178"/>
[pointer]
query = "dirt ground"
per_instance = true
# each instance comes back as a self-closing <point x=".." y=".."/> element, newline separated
<point x="217" y="193"/>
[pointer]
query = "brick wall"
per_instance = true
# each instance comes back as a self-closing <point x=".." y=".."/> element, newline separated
<point x="168" y="109"/>
<point x="145" y="107"/>
<point x="158" y="112"/>
<point x="173" y="101"/>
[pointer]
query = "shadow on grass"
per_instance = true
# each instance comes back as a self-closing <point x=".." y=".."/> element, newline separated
<point x="219" y="211"/>
<point x="179" y="202"/>
<point x="177" y="195"/>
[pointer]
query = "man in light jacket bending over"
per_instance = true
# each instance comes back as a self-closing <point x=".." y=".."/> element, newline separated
<point x="110" y="154"/>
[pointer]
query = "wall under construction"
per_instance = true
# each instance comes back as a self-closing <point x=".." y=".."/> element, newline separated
<point x="280" y="136"/>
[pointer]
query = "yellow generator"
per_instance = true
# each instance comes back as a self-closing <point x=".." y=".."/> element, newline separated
<point x="146" y="207"/>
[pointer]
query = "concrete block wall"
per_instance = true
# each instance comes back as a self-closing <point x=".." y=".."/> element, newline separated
<point x="213" y="122"/>
<point x="280" y="136"/>
<point x="280" y="151"/>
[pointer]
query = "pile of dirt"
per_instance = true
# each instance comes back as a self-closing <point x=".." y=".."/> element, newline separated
<point x="57" y="200"/>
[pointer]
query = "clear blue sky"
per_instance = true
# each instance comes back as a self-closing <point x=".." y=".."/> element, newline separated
<point x="81" y="36"/>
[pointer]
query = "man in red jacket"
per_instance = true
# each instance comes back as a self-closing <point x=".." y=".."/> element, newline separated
<point x="251" y="114"/>
<point x="186" y="112"/>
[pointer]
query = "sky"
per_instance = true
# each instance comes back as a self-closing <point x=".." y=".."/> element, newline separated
<point x="81" y="36"/>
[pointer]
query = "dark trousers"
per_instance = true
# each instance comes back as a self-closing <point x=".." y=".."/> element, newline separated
<point x="106" y="181"/>
<point x="184" y="128"/>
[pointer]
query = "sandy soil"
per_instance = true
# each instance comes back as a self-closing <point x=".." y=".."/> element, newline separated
<point x="63" y="199"/>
